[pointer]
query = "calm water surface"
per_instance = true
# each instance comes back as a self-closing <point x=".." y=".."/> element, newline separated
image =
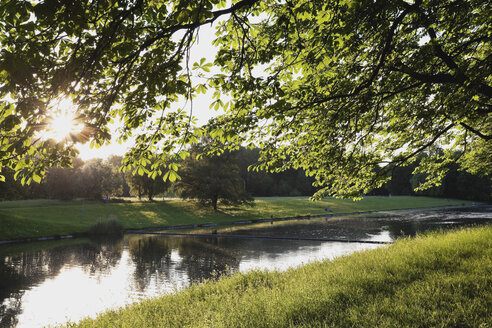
<point x="48" y="283"/>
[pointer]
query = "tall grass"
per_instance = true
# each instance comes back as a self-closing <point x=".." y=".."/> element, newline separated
<point x="438" y="280"/>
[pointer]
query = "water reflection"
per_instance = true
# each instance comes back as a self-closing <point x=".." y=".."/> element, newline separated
<point x="36" y="282"/>
<point x="53" y="282"/>
<point x="176" y="262"/>
<point x="387" y="226"/>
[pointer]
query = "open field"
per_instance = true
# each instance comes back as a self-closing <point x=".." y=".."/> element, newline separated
<point x="437" y="280"/>
<point x="37" y="218"/>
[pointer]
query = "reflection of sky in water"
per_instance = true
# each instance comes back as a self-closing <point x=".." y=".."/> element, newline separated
<point x="72" y="281"/>
<point x="303" y="255"/>
<point x="384" y="236"/>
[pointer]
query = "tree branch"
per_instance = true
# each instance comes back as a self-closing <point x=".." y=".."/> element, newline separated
<point x="387" y="45"/>
<point x="426" y="78"/>
<point x="423" y="147"/>
<point x="478" y="133"/>
<point x="175" y="28"/>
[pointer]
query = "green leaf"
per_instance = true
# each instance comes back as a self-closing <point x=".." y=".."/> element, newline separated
<point x="36" y="178"/>
<point x="173" y="175"/>
<point x="166" y="176"/>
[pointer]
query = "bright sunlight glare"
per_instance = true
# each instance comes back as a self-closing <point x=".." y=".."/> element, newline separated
<point x="62" y="122"/>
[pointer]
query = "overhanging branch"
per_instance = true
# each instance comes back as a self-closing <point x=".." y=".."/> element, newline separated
<point x="167" y="32"/>
<point x="478" y="133"/>
<point x="426" y="78"/>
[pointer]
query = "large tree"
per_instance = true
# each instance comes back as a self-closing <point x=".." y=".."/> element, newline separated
<point x="212" y="179"/>
<point x="97" y="179"/>
<point x="343" y="89"/>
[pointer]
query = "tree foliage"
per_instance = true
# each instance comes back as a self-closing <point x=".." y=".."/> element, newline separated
<point x="343" y="89"/>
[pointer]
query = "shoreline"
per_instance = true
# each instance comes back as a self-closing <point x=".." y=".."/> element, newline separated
<point x="239" y="222"/>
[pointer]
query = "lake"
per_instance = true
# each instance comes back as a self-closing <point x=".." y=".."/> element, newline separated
<point x="51" y="282"/>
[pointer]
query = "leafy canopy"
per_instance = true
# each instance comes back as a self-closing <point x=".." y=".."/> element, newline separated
<point x="343" y="89"/>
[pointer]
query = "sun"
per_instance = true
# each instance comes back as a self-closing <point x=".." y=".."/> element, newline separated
<point x="62" y="122"/>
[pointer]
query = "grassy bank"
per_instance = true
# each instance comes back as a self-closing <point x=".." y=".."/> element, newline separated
<point x="440" y="280"/>
<point x="36" y="218"/>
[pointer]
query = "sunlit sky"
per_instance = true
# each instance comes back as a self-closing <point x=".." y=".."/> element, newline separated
<point x="62" y="121"/>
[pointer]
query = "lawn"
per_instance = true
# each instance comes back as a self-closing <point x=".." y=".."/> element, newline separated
<point x="436" y="280"/>
<point x="37" y="218"/>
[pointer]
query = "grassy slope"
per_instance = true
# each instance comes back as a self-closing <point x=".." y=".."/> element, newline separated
<point x="440" y="280"/>
<point x="22" y="219"/>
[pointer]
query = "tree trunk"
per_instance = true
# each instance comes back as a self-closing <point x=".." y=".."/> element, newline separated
<point x="150" y="190"/>
<point x="214" y="201"/>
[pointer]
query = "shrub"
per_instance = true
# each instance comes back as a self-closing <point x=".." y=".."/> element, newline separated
<point x="111" y="227"/>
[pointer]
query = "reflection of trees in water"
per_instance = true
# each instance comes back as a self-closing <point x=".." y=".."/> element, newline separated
<point x="149" y="256"/>
<point x="198" y="259"/>
<point x="206" y="258"/>
<point x="405" y="228"/>
<point x="10" y="287"/>
<point x="29" y="268"/>
<point x="99" y="257"/>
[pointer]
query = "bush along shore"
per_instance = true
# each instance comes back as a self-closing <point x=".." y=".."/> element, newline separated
<point x="44" y="218"/>
<point x="437" y="280"/>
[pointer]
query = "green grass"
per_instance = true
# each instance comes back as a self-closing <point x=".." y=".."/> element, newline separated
<point x="36" y="218"/>
<point x="438" y="280"/>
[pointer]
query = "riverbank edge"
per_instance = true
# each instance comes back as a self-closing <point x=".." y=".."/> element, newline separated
<point x="240" y="222"/>
<point x="436" y="279"/>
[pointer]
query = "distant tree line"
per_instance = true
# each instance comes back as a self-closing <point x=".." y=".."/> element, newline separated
<point x="225" y="179"/>
<point x="455" y="184"/>
<point x="93" y="179"/>
<point x="209" y="179"/>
